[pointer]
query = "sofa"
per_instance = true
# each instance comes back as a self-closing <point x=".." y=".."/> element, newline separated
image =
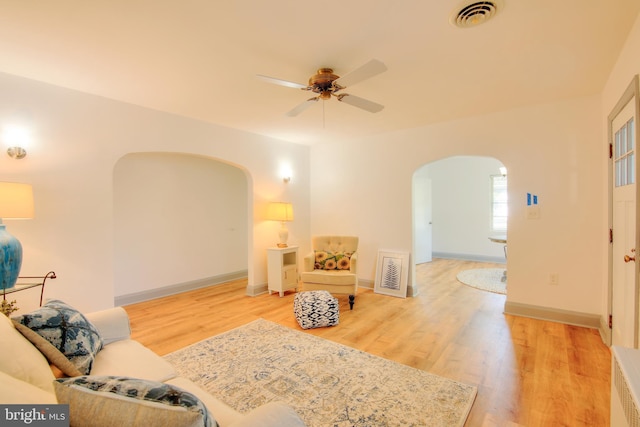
<point x="29" y="374"/>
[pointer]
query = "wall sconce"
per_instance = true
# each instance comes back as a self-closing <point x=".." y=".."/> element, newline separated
<point x="17" y="152"/>
<point x="285" y="172"/>
<point x="503" y="171"/>
<point x="16" y="138"/>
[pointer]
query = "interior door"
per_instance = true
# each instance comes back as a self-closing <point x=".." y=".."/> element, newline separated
<point x="422" y="220"/>
<point x="624" y="294"/>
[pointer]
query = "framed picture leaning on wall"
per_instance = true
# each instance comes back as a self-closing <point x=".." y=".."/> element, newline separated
<point x="392" y="274"/>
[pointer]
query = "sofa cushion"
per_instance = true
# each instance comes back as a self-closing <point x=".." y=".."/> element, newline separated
<point x="335" y="243"/>
<point x="131" y="359"/>
<point x="273" y="414"/>
<point x="21" y="360"/>
<point x="332" y="260"/>
<point x="15" y="391"/>
<point x="66" y="329"/>
<point x="53" y="355"/>
<point x="102" y="401"/>
<point x="331" y="277"/>
<point x="224" y="414"/>
<point x="112" y="324"/>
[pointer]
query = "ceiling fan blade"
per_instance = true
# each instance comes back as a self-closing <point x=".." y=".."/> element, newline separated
<point x="281" y="82"/>
<point x="301" y="107"/>
<point x="356" y="101"/>
<point x="366" y="71"/>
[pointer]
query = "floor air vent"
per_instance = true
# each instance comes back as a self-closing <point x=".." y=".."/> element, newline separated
<point x="625" y="381"/>
<point x="475" y="13"/>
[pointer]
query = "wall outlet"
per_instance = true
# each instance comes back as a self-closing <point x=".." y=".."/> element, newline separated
<point x="533" y="212"/>
<point x="554" y="279"/>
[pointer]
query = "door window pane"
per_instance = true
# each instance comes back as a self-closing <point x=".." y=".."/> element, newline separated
<point x="624" y="155"/>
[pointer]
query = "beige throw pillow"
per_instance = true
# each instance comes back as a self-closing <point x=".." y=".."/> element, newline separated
<point x="53" y="355"/>
<point x="109" y="401"/>
<point x="20" y="359"/>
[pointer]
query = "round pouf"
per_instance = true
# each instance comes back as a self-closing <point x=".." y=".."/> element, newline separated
<point x="316" y="309"/>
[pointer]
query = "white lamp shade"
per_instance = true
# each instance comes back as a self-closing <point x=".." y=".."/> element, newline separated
<point x="280" y="211"/>
<point x="16" y="200"/>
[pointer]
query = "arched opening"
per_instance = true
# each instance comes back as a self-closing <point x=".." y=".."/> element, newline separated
<point x="180" y="223"/>
<point x="454" y="211"/>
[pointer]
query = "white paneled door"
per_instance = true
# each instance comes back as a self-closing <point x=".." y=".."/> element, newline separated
<point x="624" y="297"/>
<point x="422" y="221"/>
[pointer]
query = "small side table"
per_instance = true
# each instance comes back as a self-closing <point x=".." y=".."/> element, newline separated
<point x="34" y="282"/>
<point x="282" y="269"/>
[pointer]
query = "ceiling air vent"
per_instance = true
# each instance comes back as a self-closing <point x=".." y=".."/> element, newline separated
<point x="475" y="13"/>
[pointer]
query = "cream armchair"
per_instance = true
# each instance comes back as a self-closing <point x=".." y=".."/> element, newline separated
<point x="332" y="266"/>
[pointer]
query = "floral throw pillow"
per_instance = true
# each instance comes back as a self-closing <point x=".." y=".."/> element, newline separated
<point x="332" y="260"/>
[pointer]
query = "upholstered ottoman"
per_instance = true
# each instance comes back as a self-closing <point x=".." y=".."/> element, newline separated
<point x="316" y="309"/>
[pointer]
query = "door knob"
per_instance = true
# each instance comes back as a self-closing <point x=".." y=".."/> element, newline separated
<point x="628" y="258"/>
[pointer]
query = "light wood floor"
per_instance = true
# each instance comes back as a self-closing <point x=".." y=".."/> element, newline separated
<point x="528" y="372"/>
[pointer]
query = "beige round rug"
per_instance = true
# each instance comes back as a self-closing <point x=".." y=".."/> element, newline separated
<point x="486" y="279"/>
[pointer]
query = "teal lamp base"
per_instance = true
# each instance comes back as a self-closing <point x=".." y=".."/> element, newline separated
<point x="10" y="259"/>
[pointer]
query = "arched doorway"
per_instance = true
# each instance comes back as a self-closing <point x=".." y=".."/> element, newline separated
<point x="180" y="222"/>
<point x="453" y="210"/>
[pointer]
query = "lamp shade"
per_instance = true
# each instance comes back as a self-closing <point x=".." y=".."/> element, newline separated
<point x="280" y="211"/>
<point x="16" y="202"/>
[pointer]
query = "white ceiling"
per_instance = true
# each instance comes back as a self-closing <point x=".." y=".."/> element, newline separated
<point x="199" y="58"/>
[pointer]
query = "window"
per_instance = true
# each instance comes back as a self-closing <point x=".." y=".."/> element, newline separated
<point x="499" y="206"/>
<point x="624" y="155"/>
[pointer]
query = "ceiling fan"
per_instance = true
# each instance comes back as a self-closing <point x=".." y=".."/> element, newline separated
<point x="326" y="84"/>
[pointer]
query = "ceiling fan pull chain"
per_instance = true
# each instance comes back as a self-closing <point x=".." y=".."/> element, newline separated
<point x="323" y="114"/>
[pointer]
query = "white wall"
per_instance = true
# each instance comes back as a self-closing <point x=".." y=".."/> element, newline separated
<point x="173" y="211"/>
<point x="77" y="141"/>
<point x="553" y="150"/>
<point x="461" y="207"/>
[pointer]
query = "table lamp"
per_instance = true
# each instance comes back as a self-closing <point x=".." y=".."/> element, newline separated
<point x="283" y="212"/>
<point x="16" y="202"/>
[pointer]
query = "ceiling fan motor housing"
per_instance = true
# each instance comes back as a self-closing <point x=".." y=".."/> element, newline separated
<point x="322" y="82"/>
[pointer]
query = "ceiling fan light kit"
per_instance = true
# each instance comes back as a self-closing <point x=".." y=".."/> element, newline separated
<point x="326" y="84"/>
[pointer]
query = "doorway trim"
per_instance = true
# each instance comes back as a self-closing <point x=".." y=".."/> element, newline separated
<point x="631" y="92"/>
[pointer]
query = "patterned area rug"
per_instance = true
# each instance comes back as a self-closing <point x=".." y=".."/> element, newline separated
<point x="486" y="279"/>
<point x="327" y="383"/>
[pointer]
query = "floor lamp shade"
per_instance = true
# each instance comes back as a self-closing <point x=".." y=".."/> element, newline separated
<point x="283" y="212"/>
<point x="16" y="202"/>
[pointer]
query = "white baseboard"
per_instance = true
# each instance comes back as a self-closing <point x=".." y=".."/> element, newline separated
<point x="605" y="331"/>
<point x="259" y="289"/>
<point x="370" y="284"/>
<point x="469" y="257"/>
<point x="586" y="320"/>
<point x="177" y="288"/>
